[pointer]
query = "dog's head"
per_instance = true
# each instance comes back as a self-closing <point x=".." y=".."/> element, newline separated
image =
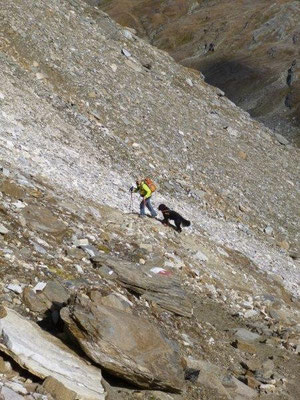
<point x="163" y="207"/>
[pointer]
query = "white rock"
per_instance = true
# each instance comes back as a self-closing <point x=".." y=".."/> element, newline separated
<point x="44" y="355"/>
<point x="3" y="230"/>
<point x="189" y="82"/>
<point x="268" y="230"/>
<point x="39" y="287"/>
<point x="200" y="256"/>
<point x="248" y="305"/>
<point x="5" y="172"/>
<point x="114" y="67"/>
<point x="250" y="313"/>
<point x="268" y="388"/>
<point x="19" y="205"/>
<point x="126" y="53"/>
<point x="2" y="97"/>
<point x="16" y="387"/>
<point x="233" y="132"/>
<point x="9" y="394"/>
<point x="81" y="242"/>
<point x="128" y="34"/>
<point x="15" y="288"/>
<point x="79" y="269"/>
<point x="40" y="76"/>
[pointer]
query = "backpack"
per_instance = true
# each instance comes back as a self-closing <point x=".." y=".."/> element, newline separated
<point x="151" y="185"/>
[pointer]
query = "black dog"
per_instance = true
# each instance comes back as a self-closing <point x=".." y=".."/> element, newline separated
<point x="173" y="215"/>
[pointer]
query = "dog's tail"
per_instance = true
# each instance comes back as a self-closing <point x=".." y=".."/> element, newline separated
<point x="185" y="222"/>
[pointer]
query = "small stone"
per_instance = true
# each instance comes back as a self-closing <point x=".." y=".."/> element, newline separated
<point x="90" y="250"/>
<point x="268" y="366"/>
<point x="16" y="387"/>
<point x="5" y="366"/>
<point x="127" y="34"/>
<point x="246" y="335"/>
<point x="252" y="365"/>
<point x="284" y="245"/>
<point x="33" y="301"/>
<point x="268" y="230"/>
<point x="281" y="139"/>
<point x="79" y="269"/>
<point x="200" y="256"/>
<point x="250" y="313"/>
<point x="35" y="64"/>
<point x="232" y="132"/>
<point x="244" y="346"/>
<point x="15" y="288"/>
<point x="126" y="53"/>
<point x="114" y="67"/>
<point x="3" y="230"/>
<point x="146" y="246"/>
<point x="242" y="155"/>
<point x="19" y="205"/>
<point x="244" y="208"/>
<point x="133" y="65"/>
<point x="252" y="382"/>
<point x="2" y="97"/>
<point x="228" y="382"/>
<point x="39" y="286"/>
<point x="81" y="242"/>
<point x="267" y="388"/>
<point x="6" y="172"/>
<point x="3" y="312"/>
<point x="189" y="82"/>
<point x="220" y="92"/>
<point x="295" y="255"/>
<point x="40" y="76"/>
<point x="243" y="391"/>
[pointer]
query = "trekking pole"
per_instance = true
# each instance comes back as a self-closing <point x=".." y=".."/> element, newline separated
<point x="131" y="203"/>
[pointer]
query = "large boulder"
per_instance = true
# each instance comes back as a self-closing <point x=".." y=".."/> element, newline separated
<point x="127" y="346"/>
<point x="45" y="356"/>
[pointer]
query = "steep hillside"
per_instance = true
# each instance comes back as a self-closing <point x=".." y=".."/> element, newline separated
<point x="212" y="313"/>
<point x="249" y="49"/>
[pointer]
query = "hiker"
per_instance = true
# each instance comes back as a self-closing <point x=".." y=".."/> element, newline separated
<point x="145" y="191"/>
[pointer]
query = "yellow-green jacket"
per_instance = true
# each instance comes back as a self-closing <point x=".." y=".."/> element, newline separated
<point x="144" y="190"/>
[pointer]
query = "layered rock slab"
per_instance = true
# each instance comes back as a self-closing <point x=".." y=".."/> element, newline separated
<point x="166" y="291"/>
<point x="126" y="345"/>
<point x="46" y="356"/>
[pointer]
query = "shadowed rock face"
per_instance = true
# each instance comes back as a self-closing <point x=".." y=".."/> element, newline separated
<point x="248" y="49"/>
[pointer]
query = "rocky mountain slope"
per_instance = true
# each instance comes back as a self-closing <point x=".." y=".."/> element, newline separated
<point x="249" y="49"/>
<point x="97" y="303"/>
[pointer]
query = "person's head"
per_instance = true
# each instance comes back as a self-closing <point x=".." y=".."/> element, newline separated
<point x="138" y="181"/>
